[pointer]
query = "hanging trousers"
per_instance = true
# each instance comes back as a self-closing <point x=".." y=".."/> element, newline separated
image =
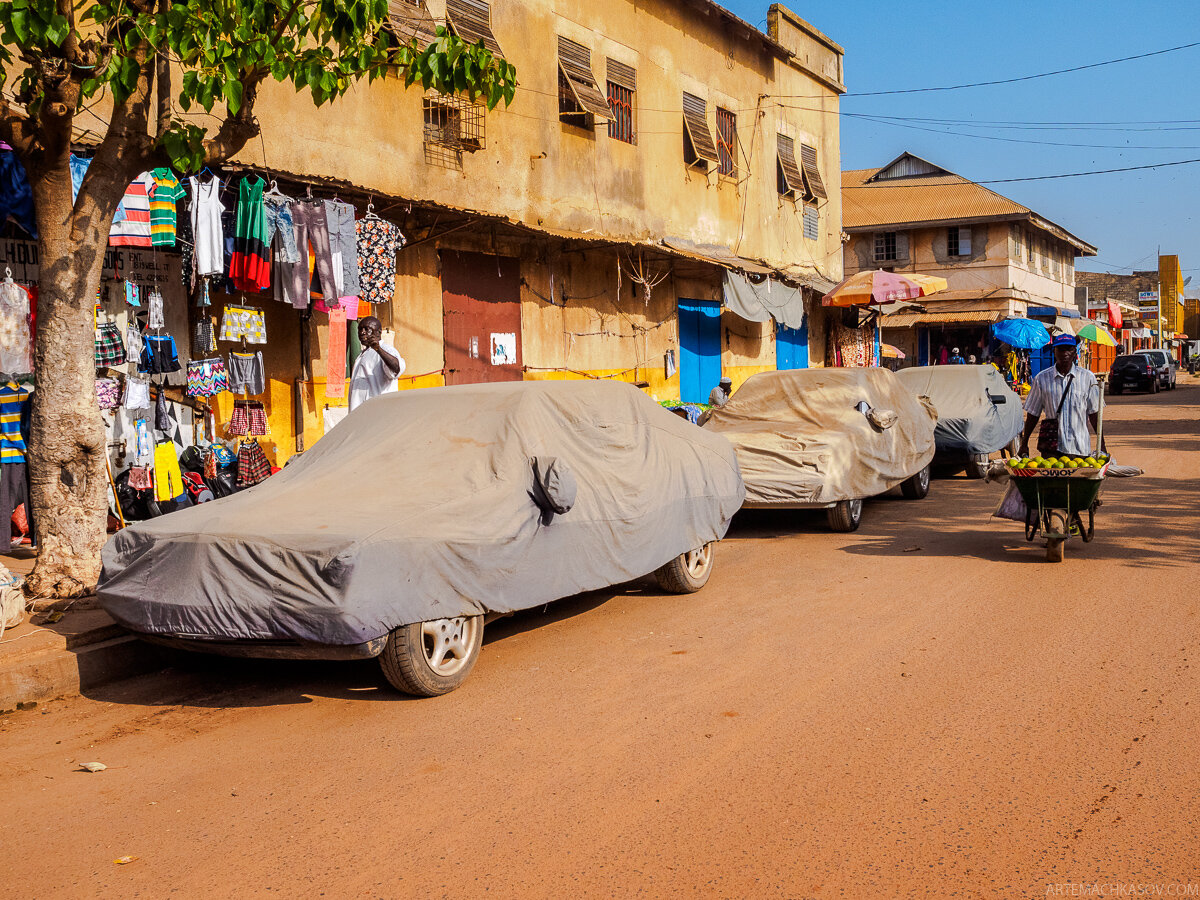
<point x="311" y="227"/>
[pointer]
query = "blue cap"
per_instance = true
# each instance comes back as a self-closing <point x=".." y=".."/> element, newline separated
<point x="1065" y="340"/>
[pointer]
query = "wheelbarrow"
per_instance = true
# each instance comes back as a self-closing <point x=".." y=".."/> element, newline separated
<point x="1056" y="501"/>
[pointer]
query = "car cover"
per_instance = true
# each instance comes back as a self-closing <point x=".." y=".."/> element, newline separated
<point x="968" y="418"/>
<point x="806" y="436"/>
<point x="421" y="505"/>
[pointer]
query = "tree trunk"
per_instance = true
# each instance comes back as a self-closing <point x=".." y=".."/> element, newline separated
<point x="67" y="451"/>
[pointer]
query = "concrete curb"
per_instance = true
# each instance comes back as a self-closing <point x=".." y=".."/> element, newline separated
<point x="84" y="650"/>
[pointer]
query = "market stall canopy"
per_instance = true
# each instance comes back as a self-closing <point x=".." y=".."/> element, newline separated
<point x="968" y="418"/>
<point x="421" y="505"/>
<point x="881" y="286"/>
<point x="890" y="352"/>
<point x="1023" y="334"/>
<point x="803" y="435"/>
<point x="1090" y="331"/>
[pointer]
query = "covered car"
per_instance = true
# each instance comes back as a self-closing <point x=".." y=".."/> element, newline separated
<point x="978" y="413"/>
<point x="827" y="438"/>
<point x="425" y="511"/>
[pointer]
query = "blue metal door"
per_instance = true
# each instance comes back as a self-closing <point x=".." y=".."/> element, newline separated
<point x="699" y="349"/>
<point x="791" y="347"/>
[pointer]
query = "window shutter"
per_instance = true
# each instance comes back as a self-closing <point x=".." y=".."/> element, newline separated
<point x="622" y="75"/>
<point x="964" y="241"/>
<point x="695" y="121"/>
<point x="812" y="173"/>
<point x="812" y="223"/>
<point x="411" y="20"/>
<point x="901" y="245"/>
<point x="472" y="21"/>
<point x="575" y="62"/>
<point x="787" y="163"/>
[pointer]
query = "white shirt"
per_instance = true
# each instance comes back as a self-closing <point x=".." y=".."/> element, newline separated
<point x="371" y="377"/>
<point x="1083" y="398"/>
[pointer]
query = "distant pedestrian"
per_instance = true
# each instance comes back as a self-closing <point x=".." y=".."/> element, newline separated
<point x="719" y="395"/>
<point x="971" y="360"/>
<point x="956" y="358"/>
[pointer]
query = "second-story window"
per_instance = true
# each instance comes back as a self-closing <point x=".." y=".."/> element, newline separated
<point x="699" y="148"/>
<point x="958" y="241"/>
<point x="622" y="86"/>
<point x="885" y="246"/>
<point x="790" y="182"/>
<point x="726" y="142"/>
<point x="812" y="223"/>
<point x="579" y="99"/>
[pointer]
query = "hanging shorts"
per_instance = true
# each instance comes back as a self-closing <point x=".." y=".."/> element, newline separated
<point x="256" y="416"/>
<point x="252" y="464"/>
<point x="137" y="392"/>
<point x="108" y="393"/>
<point x="159" y="355"/>
<point x="110" y="349"/>
<point x="206" y="377"/>
<point x="168" y="480"/>
<point x="205" y="340"/>
<point x="246" y="373"/>
<point x="243" y="323"/>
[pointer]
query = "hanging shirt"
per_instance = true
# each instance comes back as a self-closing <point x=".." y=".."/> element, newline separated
<point x="16" y="194"/>
<point x="378" y="243"/>
<point x="249" y="269"/>
<point x="206" y="226"/>
<point x="371" y="377"/>
<point x="79" y="166"/>
<point x="12" y="444"/>
<point x="134" y="229"/>
<point x="16" y="344"/>
<point x="166" y="192"/>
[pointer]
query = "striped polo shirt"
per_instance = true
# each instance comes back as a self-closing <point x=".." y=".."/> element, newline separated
<point x="12" y="445"/>
<point x="163" y="196"/>
<point x="134" y="229"/>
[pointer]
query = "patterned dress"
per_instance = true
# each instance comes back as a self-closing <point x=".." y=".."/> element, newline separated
<point x="250" y="268"/>
<point x="378" y="243"/>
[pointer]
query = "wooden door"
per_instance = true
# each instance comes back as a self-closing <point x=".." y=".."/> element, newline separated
<point x="481" y="317"/>
<point x="699" y="349"/>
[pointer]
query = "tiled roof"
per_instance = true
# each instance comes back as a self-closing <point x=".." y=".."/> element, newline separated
<point x="921" y="199"/>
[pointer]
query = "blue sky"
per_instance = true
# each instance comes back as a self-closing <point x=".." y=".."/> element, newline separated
<point x="1128" y="216"/>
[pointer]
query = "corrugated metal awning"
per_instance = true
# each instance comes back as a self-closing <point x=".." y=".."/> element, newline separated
<point x="908" y="320"/>
<point x="575" y="63"/>
<point x="808" y="159"/>
<point x="472" y="21"/>
<point x="793" y="180"/>
<point x="411" y="20"/>
<point x="717" y="255"/>
<point x="695" y="122"/>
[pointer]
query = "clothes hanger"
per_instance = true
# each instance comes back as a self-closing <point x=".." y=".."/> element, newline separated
<point x="8" y="279"/>
<point x="273" y="191"/>
<point x="371" y="210"/>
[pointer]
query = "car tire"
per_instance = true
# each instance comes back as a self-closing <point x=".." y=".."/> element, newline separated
<point x="978" y="464"/>
<point x="845" y="516"/>
<point x="688" y="572"/>
<point x="916" y="487"/>
<point x="1154" y="386"/>
<point x="427" y="659"/>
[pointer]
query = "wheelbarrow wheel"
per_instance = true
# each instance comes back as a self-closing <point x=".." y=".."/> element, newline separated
<point x="1055" y="548"/>
<point x="1059" y="524"/>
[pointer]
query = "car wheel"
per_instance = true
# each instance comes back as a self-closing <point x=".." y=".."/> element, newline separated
<point x="916" y="487"/>
<point x="688" y="572"/>
<point x="845" y="516"/>
<point x="432" y="658"/>
<point x="978" y="464"/>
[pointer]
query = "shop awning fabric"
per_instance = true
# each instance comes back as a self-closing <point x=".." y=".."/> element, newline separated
<point x="908" y="320"/>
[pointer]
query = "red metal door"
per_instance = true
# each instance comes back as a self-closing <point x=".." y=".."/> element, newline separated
<point x="481" y="317"/>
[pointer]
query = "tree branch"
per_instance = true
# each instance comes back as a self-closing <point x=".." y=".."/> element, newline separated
<point x="163" y="88"/>
<point x="238" y="129"/>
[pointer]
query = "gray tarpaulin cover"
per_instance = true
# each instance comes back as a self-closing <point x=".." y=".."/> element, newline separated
<point x="802" y="436"/>
<point x="420" y="505"/>
<point x="967" y="419"/>
<point x="759" y="302"/>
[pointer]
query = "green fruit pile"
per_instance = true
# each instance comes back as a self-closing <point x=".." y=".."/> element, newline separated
<point x="1062" y="462"/>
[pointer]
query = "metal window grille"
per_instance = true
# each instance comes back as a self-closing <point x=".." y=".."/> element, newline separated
<point x="958" y="241"/>
<point x="885" y="245"/>
<point x="453" y="126"/>
<point x="812" y="223"/>
<point x="620" y="101"/>
<point x="726" y="142"/>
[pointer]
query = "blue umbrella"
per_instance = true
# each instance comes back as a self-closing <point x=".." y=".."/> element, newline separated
<point x="1024" y="334"/>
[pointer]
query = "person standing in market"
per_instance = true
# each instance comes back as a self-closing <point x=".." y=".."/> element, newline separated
<point x="719" y="395"/>
<point x="956" y="358"/>
<point x="1069" y="397"/>
<point x="377" y="367"/>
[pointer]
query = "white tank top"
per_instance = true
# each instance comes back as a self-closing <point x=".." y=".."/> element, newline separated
<point x="206" y="226"/>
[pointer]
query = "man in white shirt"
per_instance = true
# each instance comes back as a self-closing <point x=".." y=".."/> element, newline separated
<point x="377" y="367"/>
<point x="1069" y="396"/>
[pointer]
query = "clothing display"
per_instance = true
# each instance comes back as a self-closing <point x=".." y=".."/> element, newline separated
<point x="155" y="304"/>
<point x="313" y="227"/>
<point x="250" y="270"/>
<point x="206" y="377"/>
<point x="165" y="193"/>
<point x="343" y="246"/>
<point x="159" y="355"/>
<point x="371" y="377"/>
<point x="137" y="392"/>
<point x="204" y="339"/>
<point x="247" y="374"/>
<point x="186" y="241"/>
<point x="378" y="243"/>
<point x="257" y="414"/>
<point x="14" y="491"/>
<point x="16" y="195"/>
<point x="141" y="478"/>
<point x="12" y="444"/>
<point x="133" y="341"/>
<point x="79" y="166"/>
<point x="110" y="349"/>
<point x="852" y="347"/>
<point x="335" y="369"/>
<point x="108" y="393"/>
<point x="350" y="306"/>
<point x="143" y="444"/>
<point x="243" y="323"/>
<point x="16" y="342"/>
<point x="168" y="480"/>
<point x="253" y="466"/>
<point x="134" y="229"/>
<point x="278" y="211"/>
<point x="207" y="232"/>
<point x="133" y="294"/>
<point x="249" y="418"/>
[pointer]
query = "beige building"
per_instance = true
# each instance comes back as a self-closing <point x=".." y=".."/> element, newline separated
<point x="584" y="230"/>
<point x="999" y="258"/>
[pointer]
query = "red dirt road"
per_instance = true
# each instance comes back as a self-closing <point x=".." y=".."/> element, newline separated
<point x="923" y="708"/>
